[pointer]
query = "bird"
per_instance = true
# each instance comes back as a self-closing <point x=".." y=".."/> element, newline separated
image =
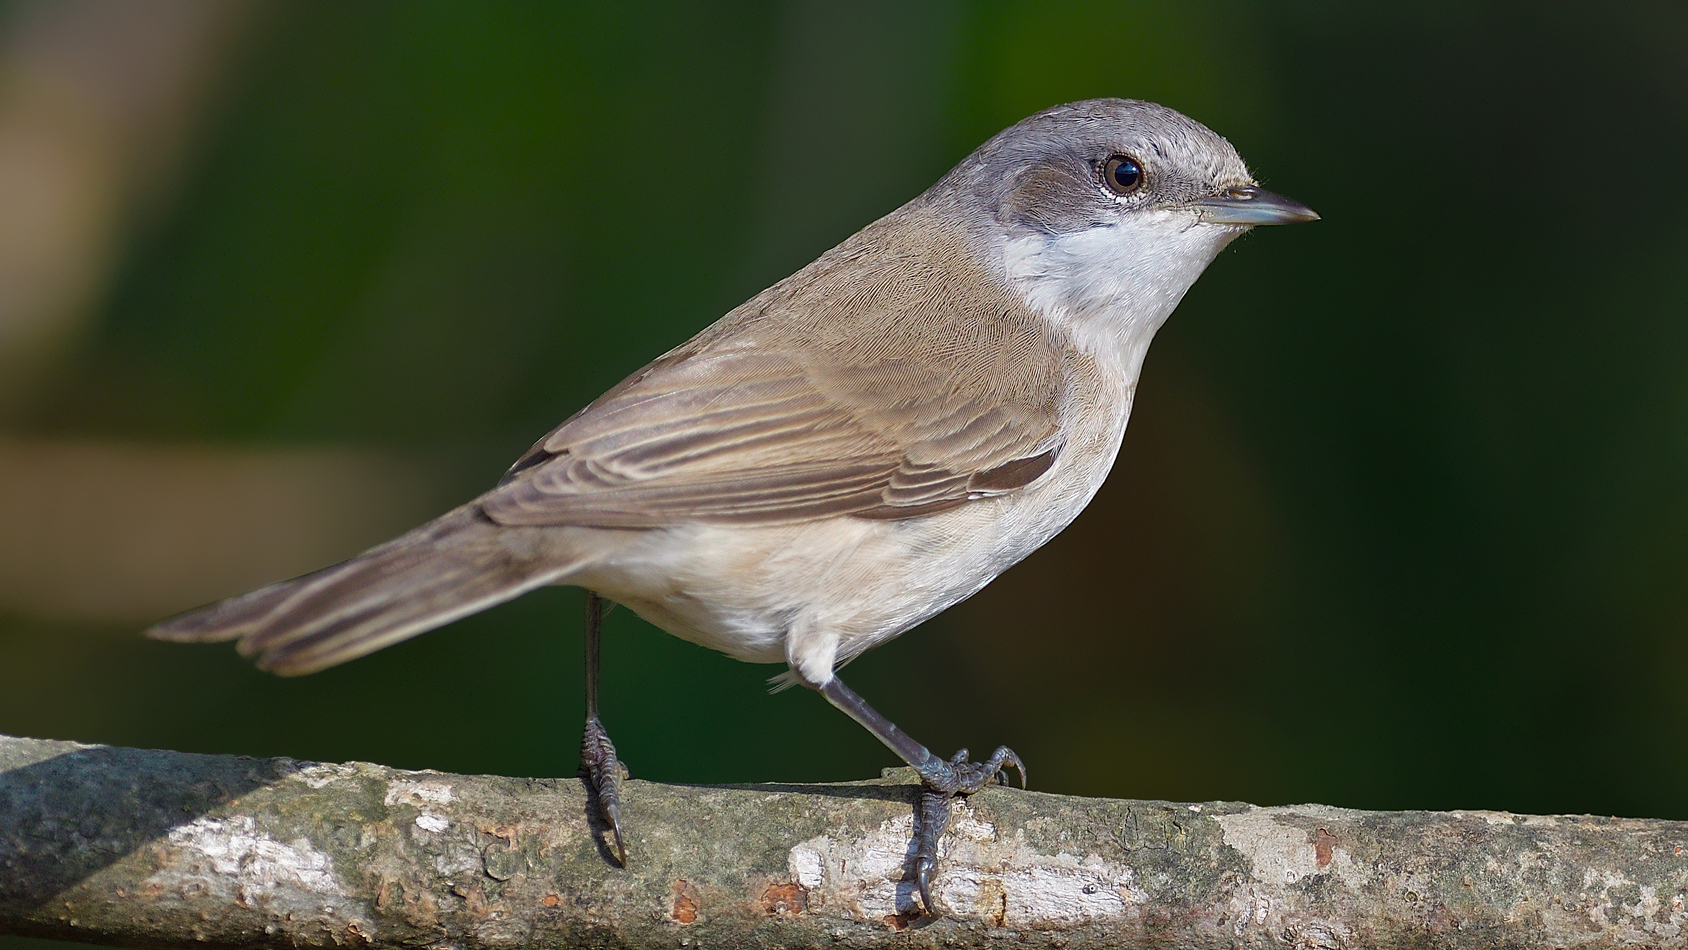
<point x="845" y="455"/>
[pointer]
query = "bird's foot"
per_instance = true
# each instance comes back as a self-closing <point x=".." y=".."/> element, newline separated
<point x="604" y="772"/>
<point x="942" y="783"/>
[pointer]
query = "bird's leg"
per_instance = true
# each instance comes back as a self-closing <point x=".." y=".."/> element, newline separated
<point x="603" y="770"/>
<point x="942" y="780"/>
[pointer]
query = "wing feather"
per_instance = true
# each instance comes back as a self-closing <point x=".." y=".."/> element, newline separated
<point x="888" y="389"/>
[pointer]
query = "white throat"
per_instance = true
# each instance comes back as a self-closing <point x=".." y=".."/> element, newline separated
<point x="1111" y="287"/>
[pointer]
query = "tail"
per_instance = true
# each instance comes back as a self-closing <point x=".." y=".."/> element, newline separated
<point x="453" y="566"/>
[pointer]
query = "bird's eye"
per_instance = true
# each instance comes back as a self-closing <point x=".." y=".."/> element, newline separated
<point x="1122" y="174"/>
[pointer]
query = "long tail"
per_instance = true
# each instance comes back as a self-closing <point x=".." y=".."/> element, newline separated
<point x="453" y="566"/>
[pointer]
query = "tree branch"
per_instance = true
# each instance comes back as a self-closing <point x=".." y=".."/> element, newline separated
<point x="165" y="849"/>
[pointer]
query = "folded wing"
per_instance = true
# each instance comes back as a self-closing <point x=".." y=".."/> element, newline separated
<point x="748" y="437"/>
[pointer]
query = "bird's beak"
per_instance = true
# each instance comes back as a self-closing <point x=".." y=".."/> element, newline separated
<point x="1252" y="205"/>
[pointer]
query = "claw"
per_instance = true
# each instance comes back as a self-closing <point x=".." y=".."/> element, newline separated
<point x="612" y="815"/>
<point x="604" y="773"/>
<point x="1004" y="756"/>
<point x="932" y="816"/>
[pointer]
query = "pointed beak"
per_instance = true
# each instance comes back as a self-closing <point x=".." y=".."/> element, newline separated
<point x="1251" y="205"/>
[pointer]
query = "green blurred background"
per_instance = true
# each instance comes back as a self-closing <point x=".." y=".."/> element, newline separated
<point x="1401" y="520"/>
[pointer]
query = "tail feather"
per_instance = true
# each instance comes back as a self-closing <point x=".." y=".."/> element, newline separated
<point x="451" y="567"/>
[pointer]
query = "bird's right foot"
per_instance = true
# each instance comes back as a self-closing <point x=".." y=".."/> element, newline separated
<point x="943" y="781"/>
<point x="604" y="772"/>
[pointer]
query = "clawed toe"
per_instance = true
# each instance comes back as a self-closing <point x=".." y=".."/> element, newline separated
<point x="963" y="777"/>
<point x="973" y="776"/>
<point x="931" y="815"/>
<point x="604" y="773"/>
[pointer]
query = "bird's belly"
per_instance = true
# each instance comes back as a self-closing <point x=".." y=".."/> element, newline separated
<point x="743" y="590"/>
<point x="740" y="590"/>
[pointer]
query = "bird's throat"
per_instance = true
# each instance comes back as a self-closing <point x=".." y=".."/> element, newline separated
<point x="1111" y="287"/>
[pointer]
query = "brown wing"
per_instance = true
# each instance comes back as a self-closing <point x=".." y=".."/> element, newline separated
<point x="884" y="391"/>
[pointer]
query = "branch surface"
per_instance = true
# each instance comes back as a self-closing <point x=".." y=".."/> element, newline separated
<point x="165" y="849"/>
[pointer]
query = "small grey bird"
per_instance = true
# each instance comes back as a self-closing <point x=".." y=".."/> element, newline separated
<point x="846" y="454"/>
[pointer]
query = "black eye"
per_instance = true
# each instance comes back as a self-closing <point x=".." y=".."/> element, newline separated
<point x="1122" y="174"/>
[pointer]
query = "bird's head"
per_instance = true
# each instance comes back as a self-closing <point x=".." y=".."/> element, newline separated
<point x="1108" y="210"/>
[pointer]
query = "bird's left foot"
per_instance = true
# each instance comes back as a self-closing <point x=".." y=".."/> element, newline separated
<point x="942" y="783"/>
<point x="604" y="772"/>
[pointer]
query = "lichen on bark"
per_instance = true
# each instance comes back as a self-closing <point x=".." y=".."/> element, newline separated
<point x="146" y="848"/>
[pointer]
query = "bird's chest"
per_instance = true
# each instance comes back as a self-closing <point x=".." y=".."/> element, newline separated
<point x="1093" y="426"/>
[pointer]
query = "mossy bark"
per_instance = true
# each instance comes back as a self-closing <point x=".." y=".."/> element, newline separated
<point x="146" y="848"/>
